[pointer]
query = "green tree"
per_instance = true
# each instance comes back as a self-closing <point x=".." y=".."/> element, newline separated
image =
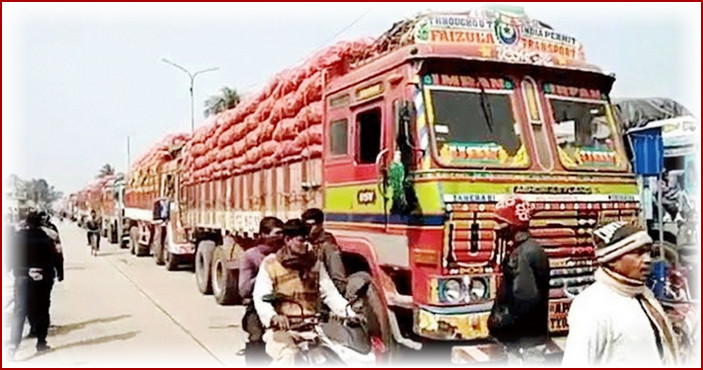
<point x="38" y="191"/>
<point x="106" y="170"/>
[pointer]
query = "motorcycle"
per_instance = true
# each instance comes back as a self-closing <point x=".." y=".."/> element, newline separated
<point x="338" y="341"/>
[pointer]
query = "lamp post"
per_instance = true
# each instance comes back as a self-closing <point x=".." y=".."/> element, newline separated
<point x="192" y="78"/>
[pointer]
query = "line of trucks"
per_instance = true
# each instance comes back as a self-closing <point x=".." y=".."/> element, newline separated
<point x="406" y="142"/>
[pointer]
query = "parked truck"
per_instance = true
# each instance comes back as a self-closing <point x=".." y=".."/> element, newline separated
<point x="406" y="142"/>
<point x="112" y="209"/>
<point x="146" y="186"/>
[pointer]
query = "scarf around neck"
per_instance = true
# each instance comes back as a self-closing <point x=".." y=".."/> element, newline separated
<point x="664" y="333"/>
<point x="301" y="263"/>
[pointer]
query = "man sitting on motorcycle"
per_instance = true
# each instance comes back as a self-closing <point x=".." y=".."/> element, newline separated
<point x="296" y="272"/>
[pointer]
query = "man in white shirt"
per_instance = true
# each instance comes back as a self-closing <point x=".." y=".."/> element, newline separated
<point x="296" y="272"/>
<point x="617" y="321"/>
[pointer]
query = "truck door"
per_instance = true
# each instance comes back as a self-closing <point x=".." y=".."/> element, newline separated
<point x="357" y="150"/>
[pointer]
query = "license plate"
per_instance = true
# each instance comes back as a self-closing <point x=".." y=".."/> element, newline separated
<point x="558" y="312"/>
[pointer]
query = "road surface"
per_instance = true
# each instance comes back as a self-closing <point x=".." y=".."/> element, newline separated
<point x="119" y="310"/>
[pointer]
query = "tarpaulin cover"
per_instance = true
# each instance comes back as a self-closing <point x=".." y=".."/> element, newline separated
<point x="633" y="113"/>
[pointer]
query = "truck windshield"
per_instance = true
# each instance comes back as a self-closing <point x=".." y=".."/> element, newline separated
<point x="585" y="135"/>
<point x="476" y="128"/>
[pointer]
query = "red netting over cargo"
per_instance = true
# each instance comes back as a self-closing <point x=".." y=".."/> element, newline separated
<point x="284" y="130"/>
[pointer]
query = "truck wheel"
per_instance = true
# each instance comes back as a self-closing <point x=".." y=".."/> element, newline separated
<point x="157" y="250"/>
<point x="142" y="250"/>
<point x="203" y="266"/>
<point x="133" y="239"/>
<point x="113" y="234"/>
<point x="374" y="309"/>
<point x="225" y="282"/>
<point x="170" y="260"/>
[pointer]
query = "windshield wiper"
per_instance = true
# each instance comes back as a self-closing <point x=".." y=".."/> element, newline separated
<point x="486" y="107"/>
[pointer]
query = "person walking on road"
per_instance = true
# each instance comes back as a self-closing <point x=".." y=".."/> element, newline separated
<point x="519" y="316"/>
<point x="93" y="226"/>
<point x="35" y="265"/>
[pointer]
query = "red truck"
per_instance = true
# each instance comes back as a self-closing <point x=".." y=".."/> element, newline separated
<point x="406" y="142"/>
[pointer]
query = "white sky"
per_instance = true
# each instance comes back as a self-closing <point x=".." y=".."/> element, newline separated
<point x="77" y="79"/>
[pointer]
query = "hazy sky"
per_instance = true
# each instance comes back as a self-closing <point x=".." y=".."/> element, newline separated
<point x="77" y="79"/>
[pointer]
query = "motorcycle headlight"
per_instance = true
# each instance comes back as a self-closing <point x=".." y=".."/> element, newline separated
<point x="451" y="291"/>
<point x="479" y="289"/>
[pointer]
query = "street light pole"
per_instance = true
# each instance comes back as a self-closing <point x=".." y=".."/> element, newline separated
<point x="192" y="79"/>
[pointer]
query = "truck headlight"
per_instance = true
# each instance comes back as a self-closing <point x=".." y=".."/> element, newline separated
<point x="478" y="289"/>
<point x="451" y="291"/>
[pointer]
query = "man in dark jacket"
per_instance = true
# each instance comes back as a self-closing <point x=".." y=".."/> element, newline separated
<point x="326" y="247"/>
<point x="519" y="316"/>
<point x="270" y="240"/>
<point x="93" y="226"/>
<point x="35" y="265"/>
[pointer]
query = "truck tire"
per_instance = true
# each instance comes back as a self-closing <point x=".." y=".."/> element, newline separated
<point x="142" y="250"/>
<point x="171" y="261"/>
<point x="113" y="234"/>
<point x="157" y="250"/>
<point x="225" y="282"/>
<point x="133" y="239"/>
<point x="374" y="309"/>
<point x="203" y="266"/>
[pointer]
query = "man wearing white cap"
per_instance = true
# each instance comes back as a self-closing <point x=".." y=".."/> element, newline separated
<point x="617" y="321"/>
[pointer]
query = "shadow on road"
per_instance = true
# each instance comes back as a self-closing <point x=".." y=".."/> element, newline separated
<point x="65" y="329"/>
<point x="87" y="342"/>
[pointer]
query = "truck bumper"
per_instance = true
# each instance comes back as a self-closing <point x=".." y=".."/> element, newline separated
<point x="185" y="251"/>
<point x="448" y="324"/>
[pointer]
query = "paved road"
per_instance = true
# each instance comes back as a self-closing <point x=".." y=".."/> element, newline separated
<point x="119" y="310"/>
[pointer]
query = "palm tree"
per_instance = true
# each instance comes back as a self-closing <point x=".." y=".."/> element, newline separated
<point x="227" y="99"/>
<point x="106" y="170"/>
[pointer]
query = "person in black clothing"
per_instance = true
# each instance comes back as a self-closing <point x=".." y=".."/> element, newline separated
<point x="519" y="318"/>
<point x="51" y="230"/>
<point x="93" y="225"/>
<point x="36" y="263"/>
<point x="326" y="247"/>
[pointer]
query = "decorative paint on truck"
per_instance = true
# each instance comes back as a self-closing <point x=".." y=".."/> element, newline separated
<point x="407" y="142"/>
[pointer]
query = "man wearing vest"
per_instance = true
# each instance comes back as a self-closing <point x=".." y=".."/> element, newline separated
<point x="296" y="272"/>
<point x="270" y="240"/>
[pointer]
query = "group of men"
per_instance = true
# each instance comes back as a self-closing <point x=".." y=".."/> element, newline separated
<point x="297" y="258"/>
<point x="615" y="321"/>
<point x="36" y="261"/>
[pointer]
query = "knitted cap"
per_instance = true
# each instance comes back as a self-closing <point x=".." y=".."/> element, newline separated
<point x="515" y="211"/>
<point x="618" y="238"/>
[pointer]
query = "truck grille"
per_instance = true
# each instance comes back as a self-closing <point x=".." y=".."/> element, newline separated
<point x="562" y="228"/>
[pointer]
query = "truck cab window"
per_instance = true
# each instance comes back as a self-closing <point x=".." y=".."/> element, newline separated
<point x="338" y="137"/>
<point x="368" y="135"/>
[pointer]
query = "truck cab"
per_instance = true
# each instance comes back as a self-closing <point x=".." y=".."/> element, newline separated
<point x="423" y="140"/>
